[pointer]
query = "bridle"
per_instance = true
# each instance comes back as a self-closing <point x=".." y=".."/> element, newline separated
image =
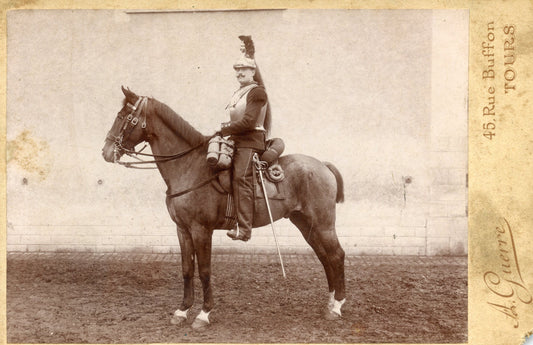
<point x="127" y="125"/>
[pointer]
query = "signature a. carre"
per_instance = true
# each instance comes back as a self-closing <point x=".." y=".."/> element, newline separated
<point x="505" y="281"/>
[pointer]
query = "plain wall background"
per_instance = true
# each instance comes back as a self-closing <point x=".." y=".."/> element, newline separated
<point x="381" y="94"/>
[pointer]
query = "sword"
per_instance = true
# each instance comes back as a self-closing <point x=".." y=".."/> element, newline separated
<point x="260" y="167"/>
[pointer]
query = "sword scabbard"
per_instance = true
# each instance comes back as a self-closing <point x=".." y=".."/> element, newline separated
<point x="260" y="168"/>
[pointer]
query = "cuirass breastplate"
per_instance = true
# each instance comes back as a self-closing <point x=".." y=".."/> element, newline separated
<point x="237" y="106"/>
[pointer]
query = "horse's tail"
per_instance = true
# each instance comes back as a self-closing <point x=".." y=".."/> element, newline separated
<point x="340" y="182"/>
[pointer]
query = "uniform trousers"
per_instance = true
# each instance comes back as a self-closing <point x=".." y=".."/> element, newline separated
<point x="243" y="187"/>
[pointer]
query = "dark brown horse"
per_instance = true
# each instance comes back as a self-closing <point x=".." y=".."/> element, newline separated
<point x="311" y="190"/>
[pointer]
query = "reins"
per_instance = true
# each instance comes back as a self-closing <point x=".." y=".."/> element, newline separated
<point x="166" y="158"/>
<point x="201" y="184"/>
<point x="158" y="158"/>
<point x="132" y="119"/>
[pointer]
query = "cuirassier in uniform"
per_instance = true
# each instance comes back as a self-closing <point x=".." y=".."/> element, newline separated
<point x="248" y="116"/>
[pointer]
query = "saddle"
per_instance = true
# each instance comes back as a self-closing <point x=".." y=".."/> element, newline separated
<point x="274" y="189"/>
<point x="220" y="151"/>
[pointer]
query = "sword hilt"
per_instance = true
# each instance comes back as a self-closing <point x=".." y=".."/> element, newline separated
<point x="259" y="164"/>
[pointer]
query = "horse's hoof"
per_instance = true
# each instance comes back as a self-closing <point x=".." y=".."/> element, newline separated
<point x="179" y="317"/>
<point x="331" y="315"/>
<point x="177" y="320"/>
<point x="199" y="324"/>
<point x="334" y="313"/>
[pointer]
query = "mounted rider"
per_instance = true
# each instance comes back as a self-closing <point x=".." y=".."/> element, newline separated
<point x="248" y="127"/>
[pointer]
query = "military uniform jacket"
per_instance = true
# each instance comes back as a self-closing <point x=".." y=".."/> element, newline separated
<point x="247" y="110"/>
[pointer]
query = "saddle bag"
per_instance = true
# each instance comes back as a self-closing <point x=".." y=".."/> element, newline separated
<point x="220" y="152"/>
<point x="274" y="149"/>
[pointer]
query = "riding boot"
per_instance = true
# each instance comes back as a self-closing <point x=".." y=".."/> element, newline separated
<point x="245" y="213"/>
<point x="243" y="194"/>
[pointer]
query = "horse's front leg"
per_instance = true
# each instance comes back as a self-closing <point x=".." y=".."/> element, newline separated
<point x="202" y="239"/>
<point x="187" y="265"/>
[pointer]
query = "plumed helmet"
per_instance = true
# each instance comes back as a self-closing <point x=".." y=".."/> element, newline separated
<point x="244" y="62"/>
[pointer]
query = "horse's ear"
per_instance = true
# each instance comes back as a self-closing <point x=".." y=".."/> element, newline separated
<point x="130" y="95"/>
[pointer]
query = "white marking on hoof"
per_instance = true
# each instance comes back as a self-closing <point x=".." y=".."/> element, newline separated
<point x="202" y="320"/>
<point x="179" y="317"/>
<point x="337" y="306"/>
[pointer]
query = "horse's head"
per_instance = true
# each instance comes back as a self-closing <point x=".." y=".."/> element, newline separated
<point x="128" y="129"/>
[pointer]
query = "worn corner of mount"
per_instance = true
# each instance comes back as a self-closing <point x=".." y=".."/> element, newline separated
<point x="528" y="338"/>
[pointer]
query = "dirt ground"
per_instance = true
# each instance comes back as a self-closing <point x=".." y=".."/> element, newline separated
<point x="95" y="298"/>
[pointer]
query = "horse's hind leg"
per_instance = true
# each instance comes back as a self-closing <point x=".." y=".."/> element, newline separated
<point x="335" y="254"/>
<point x="187" y="265"/>
<point x="311" y="237"/>
<point x="298" y="219"/>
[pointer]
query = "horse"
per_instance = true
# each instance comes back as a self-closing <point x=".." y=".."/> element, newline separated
<point x="312" y="190"/>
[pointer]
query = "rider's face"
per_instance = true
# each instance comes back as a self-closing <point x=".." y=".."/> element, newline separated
<point x="244" y="75"/>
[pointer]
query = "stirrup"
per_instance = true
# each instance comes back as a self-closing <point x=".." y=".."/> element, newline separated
<point x="237" y="234"/>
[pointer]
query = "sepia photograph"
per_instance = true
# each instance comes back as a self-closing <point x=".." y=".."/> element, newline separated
<point x="238" y="176"/>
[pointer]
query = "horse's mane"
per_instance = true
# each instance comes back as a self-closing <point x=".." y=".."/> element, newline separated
<point x="176" y="123"/>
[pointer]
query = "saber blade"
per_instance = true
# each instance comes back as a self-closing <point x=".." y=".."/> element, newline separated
<point x="259" y="168"/>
